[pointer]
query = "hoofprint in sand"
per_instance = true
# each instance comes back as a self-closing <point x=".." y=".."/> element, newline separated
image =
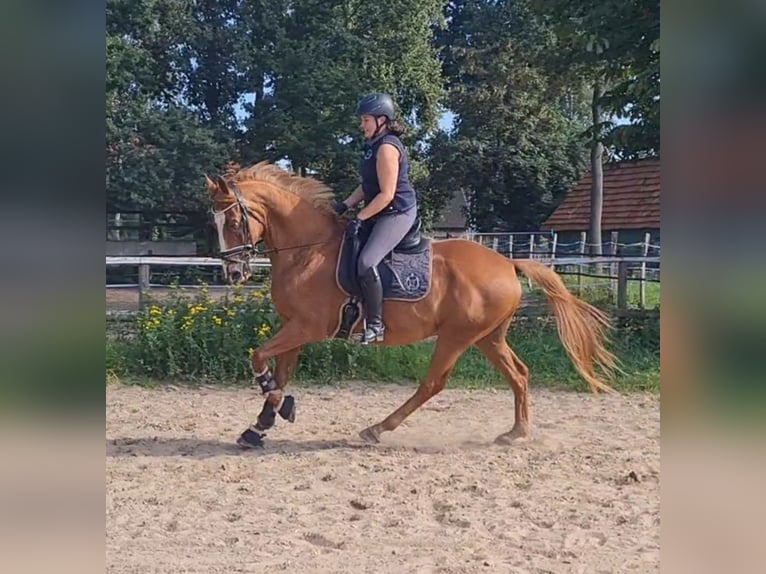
<point x="581" y="495"/>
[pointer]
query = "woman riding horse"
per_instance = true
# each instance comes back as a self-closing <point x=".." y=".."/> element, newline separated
<point x="390" y="202"/>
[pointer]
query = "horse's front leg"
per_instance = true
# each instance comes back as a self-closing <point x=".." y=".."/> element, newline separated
<point x="285" y="366"/>
<point x="285" y="345"/>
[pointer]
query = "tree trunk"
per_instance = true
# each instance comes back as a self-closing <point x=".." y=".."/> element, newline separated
<point x="597" y="175"/>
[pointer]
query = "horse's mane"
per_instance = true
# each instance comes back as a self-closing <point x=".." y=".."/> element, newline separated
<point x="307" y="188"/>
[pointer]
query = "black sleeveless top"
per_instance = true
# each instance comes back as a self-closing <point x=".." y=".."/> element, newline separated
<point x="404" y="195"/>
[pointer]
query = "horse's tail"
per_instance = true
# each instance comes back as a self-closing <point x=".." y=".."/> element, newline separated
<point x="581" y="327"/>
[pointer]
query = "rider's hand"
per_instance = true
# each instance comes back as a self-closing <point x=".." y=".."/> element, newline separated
<point x="353" y="227"/>
<point x="340" y="207"/>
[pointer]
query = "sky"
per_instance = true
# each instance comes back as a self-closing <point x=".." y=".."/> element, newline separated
<point x="446" y="121"/>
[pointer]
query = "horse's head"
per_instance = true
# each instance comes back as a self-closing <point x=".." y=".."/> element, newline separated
<point x="240" y="227"/>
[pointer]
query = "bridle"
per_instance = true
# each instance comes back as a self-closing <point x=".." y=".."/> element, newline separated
<point x="247" y="248"/>
<point x="244" y="252"/>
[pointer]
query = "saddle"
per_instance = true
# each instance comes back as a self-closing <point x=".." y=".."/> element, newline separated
<point x="405" y="272"/>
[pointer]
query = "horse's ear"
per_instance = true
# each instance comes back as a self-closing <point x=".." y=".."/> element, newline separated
<point x="222" y="186"/>
<point x="211" y="185"/>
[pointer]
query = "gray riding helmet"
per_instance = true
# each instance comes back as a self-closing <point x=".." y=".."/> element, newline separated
<point x="376" y="105"/>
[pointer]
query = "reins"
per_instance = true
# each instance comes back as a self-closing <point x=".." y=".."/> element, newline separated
<point x="248" y="247"/>
<point x="303" y="246"/>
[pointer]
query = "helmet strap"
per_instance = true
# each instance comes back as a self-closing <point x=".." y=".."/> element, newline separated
<point x="379" y="126"/>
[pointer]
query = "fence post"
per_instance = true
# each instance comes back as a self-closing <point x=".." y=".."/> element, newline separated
<point x="553" y="250"/>
<point x="510" y="245"/>
<point x="143" y="284"/>
<point x="622" y="285"/>
<point x="642" y="285"/>
<point x="580" y="267"/>
<point x="531" y="254"/>
<point x="614" y="267"/>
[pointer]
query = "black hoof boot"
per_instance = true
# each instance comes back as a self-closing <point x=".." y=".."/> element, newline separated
<point x="251" y="439"/>
<point x="267" y="417"/>
<point x="287" y="410"/>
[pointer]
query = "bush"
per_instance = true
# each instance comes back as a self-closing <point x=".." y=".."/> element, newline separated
<point x="197" y="338"/>
<point x="200" y="338"/>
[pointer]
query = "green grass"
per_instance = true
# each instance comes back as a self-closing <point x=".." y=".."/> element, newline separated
<point x="597" y="291"/>
<point x="535" y="342"/>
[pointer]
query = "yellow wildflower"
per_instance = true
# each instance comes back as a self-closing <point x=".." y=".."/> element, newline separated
<point x="197" y="309"/>
<point x="154" y="310"/>
<point x="264" y="330"/>
<point x="217" y="320"/>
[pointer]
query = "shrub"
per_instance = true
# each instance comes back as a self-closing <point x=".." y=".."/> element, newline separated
<point x="198" y="338"/>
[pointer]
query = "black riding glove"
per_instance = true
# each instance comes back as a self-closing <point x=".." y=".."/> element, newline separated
<point x="352" y="230"/>
<point x="339" y="207"/>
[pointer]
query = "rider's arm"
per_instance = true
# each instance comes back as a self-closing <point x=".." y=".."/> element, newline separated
<point x="356" y="197"/>
<point x="341" y="207"/>
<point x="387" y="164"/>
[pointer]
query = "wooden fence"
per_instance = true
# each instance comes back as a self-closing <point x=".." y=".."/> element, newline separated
<point x="614" y="272"/>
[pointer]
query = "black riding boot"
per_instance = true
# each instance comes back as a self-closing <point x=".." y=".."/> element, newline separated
<point x="372" y="299"/>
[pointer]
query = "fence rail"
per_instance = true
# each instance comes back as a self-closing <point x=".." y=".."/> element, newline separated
<point x="615" y="272"/>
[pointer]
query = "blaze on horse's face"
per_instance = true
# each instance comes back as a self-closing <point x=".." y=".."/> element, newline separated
<point x="238" y="230"/>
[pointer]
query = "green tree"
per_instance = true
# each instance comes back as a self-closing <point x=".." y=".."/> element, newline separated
<point x="326" y="56"/>
<point x="514" y="151"/>
<point x="164" y="129"/>
<point x="613" y="48"/>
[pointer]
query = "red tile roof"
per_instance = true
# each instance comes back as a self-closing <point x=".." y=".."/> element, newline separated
<point x="631" y="199"/>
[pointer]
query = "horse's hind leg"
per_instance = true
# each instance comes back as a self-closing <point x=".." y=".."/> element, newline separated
<point x="495" y="348"/>
<point x="445" y="356"/>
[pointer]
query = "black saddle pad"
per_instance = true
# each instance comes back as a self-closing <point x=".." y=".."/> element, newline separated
<point x="405" y="272"/>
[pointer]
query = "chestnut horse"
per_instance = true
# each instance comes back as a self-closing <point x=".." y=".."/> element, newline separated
<point x="473" y="295"/>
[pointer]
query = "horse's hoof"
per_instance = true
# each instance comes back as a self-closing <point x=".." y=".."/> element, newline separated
<point x="511" y="437"/>
<point x="250" y="439"/>
<point x="368" y="435"/>
<point x="287" y="410"/>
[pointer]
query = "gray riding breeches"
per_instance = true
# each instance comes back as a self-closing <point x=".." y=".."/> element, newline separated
<point x="386" y="234"/>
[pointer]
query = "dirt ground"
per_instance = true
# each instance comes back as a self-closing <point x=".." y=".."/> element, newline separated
<point x="435" y="496"/>
<point x="127" y="298"/>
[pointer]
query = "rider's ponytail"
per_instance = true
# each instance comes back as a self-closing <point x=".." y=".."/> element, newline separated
<point x="395" y="127"/>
